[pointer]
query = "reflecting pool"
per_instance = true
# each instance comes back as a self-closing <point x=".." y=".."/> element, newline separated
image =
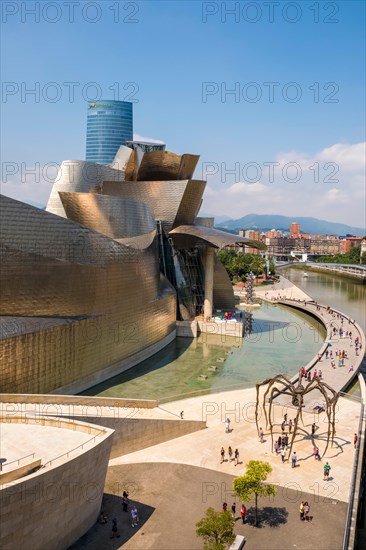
<point x="280" y="340"/>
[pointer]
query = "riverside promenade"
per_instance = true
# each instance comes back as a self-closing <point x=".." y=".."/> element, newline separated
<point x="338" y="376"/>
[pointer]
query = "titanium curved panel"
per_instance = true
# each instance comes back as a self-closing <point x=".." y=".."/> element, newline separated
<point x="51" y="357"/>
<point x="159" y="165"/>
<point x="53" y="266"/>
<point x="223" y="294"/>
<point x="140" y="242"/>
<point x="164" y="165"/>
<point x="187" y="166"/>
<point x="82" y="176"/>
<point x="201" y="234"/>
<point x="121" y="159"/>
<point x="190" y="202"/>
<point x="163" y="197"/>
<point x="115" y="217"/>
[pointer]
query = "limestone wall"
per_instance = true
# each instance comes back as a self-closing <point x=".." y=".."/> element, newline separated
<point x="133" y="434"/>
<point x="55" y="506"/>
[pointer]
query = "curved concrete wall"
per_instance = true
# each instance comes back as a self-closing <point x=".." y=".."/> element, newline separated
<point x="55" y="506"/>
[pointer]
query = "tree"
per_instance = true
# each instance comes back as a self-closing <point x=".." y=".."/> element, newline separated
<point x="257" y="265"/>
<point x="252" y="483"/>
<point x="216" y="529"/>
<point x="272" y="266"/>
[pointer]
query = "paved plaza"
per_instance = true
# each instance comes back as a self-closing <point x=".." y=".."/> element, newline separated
<point x="171" y="498"/>
<point x="202" y="449"/>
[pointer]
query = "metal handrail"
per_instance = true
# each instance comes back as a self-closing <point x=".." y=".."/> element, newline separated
<point x="347" y="530"/>
<point x="74" y="449"/>
<point x="16" y="460"/>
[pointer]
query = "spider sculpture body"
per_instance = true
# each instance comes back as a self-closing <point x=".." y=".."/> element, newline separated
<point x="297" y="394"/>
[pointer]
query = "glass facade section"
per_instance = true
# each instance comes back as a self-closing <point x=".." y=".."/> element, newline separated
<point x="109" y="125"/>
<point x="147" y="147"/>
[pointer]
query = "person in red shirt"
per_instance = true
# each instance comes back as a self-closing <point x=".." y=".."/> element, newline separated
<point x="355" y="439"/>
<point x="243" y="512"/>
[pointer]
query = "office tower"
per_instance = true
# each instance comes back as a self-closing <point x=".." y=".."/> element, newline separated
<point x="109" y="125"/>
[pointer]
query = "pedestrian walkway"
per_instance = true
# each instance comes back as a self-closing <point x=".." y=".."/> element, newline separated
<point x="202" y="448"/>
<point x="337" y="377"/>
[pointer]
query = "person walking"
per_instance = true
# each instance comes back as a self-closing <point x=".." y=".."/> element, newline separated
<point x="227" y="425"/>
<point x="326" y="471"/>
<point x="134" y="516"/>
<point x="283" y="454"/>
<point x="294" y="459"/>
<point x="261" y="435"/>
<point x="302" y="517"/>
<point x="125" y="501"/>
<point x="230" y="453"/>
<point x="276" y="447"/>
<point x="236" y="456"/>
<point x="115" y="532"/>
<point x="307" y="511"/>
<point x="355" y="439"/>
<point x="316" y="453"/>
<point x="224" y="506"/>
<point x="290" y="426"/>
<point x="233" y="510"/>
<point x="222" y="454"/>
<point x="243" y="512"/>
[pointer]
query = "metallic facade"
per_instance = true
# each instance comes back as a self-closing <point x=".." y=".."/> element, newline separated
<point x="109" y="125"/>
<point x="100" y="278"/>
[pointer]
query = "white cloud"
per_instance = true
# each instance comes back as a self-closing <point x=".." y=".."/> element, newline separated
<point x="349" y="157"/>
<point x="329" y="185"/>
<point x="138" y="137"/>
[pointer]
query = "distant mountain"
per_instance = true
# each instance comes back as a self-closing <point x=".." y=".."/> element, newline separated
<point x="264" y="222"/>
<point x="218" y="219"/>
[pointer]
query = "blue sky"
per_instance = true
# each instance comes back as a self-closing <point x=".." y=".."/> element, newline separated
<point x="177" y="60"/>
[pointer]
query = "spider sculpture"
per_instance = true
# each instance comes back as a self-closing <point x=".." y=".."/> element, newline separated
<point x="297" y="393"/>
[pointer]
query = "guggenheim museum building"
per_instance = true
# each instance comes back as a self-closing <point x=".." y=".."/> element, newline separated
<point x="96" y="283"/>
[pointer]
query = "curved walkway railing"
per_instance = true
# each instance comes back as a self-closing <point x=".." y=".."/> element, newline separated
<point x="3" y="464"/>
<point x="326" y="316"/>
<point x="355" y="487"/>
<point x="81" y="446"/>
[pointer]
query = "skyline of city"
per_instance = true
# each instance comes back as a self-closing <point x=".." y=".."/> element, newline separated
<point x="274" y="101"/>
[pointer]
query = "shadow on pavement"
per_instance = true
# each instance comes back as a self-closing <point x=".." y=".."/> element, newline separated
<point x="98" y="537"/>
<point x="268" y="516"/>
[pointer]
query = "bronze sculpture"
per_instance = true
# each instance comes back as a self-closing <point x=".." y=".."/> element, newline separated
<point x="297" y="393"/>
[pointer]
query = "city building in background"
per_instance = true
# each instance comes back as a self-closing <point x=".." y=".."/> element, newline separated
<point x="350" y="242"/>
<point x="252" y="235"/>
<point x="295" y="230"/>
<point x="282" y="245"/>
<point x="109" y="125"/>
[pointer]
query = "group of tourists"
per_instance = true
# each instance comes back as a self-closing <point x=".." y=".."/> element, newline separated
<point x="232" y="455"/>
<point x="125" y="505"/>
<point x="243" y="510"/>
<point x="305" y="512"/>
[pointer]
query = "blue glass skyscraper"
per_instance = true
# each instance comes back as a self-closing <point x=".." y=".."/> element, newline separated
<point x="109" y="125"/>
